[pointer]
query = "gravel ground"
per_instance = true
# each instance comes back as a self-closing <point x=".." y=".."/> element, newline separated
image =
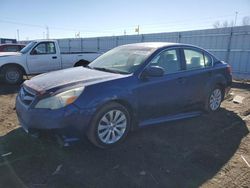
<point x="212" y="150"/>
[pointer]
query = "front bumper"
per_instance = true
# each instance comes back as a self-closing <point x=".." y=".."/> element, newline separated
<point x="70" y="118"/>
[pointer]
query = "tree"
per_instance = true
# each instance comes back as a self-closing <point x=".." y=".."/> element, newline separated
<point x="246" y="20"/>
<point x="224" y="24"/>
<point x="216" y="24"/>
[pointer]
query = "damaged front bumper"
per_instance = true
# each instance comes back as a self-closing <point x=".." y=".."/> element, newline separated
<point x="69" y="120"/>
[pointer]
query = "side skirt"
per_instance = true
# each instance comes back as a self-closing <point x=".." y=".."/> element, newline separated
<point x="170" y="118"/>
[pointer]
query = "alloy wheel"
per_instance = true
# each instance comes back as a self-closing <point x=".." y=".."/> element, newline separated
<point x="215" y="99"/>
<point x="112" y="126"/>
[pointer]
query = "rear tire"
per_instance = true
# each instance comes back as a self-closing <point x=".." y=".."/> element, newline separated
<point x="12" y="74"/>
<point x="214" y="99"/>
<point x="109" y="126"/>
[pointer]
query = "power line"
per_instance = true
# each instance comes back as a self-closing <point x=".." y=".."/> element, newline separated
<point x="131" y="26"/>
<point x="148" y="26"/>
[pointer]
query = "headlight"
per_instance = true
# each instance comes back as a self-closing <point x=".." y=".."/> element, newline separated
<point x="60" y="100"/>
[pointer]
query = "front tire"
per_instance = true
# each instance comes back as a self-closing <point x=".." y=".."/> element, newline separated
<point x="214" y="99"/>
<point x="109" y="126"/>
<point x="12" y="75"/>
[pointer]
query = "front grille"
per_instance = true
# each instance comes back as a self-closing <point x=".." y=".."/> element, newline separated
<point x="26" y="96"/>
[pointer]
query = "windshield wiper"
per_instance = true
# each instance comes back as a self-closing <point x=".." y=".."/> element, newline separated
<point x="89" y="67"/>
<point x="109" y="70"/>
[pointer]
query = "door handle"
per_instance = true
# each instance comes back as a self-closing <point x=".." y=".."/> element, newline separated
<point x="54" y="57"/>
<point x="181" y="80"/>
<point x="210" y="73"/>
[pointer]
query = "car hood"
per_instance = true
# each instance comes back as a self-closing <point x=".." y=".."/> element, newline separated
<point x="68" y="77"/>
<point x="5" y="54"/>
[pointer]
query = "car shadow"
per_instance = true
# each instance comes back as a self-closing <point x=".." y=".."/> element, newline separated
<point x="6" y="89"/>
<point x="241" y="85"/>
<point x="183" y="153"/>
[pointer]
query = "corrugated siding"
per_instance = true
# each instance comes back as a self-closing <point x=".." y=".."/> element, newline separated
<point x="229" y="44"/>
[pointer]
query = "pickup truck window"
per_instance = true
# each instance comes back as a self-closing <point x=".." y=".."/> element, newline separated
<point x="28" y="47"/>
<point x="44" y="48"/>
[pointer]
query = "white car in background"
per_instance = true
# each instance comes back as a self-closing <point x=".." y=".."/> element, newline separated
<point x="39" y="57"/>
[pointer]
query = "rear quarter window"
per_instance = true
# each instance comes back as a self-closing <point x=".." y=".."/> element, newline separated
<point x="208" y="60"/>
<point x="11" y="48"/>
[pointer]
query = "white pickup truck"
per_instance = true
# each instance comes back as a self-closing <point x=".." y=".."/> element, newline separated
<point x="39" y="57"/>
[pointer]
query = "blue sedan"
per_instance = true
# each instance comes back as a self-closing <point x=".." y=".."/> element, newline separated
<point x="128" y="87"/>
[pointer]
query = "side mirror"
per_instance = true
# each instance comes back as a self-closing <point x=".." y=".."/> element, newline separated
<point x="33" y="52"/>
<point x="153" y="71"/>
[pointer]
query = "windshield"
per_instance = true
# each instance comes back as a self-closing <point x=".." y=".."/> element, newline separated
<point x="125" y="59"/>
<point x="28" y="47"/>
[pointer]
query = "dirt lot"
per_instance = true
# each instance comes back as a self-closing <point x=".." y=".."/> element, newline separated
<point x="209" y="151"/>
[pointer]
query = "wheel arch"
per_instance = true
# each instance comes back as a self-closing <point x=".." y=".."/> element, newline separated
<point x="81" y="62"/>
<point x="129" y="107"/>
<point x="218" y="80"/>
<point x="14" y="64"/>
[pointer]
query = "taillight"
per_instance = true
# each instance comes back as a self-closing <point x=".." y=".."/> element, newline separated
<point x="229" y="69"/>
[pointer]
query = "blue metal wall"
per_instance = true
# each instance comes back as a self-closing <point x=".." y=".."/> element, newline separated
<point x="229" y="44"/>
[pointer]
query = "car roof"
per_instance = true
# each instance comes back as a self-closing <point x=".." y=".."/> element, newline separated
<point x="151" y="44"/>
<point x="44" y="40"/>
<point x="157" y="45"/>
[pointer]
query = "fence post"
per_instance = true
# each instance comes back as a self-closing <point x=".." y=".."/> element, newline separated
<point x="142" y="38"/>
<point x="229" y="45"/>
<point x="116" y="41"/>
<point x="81" y="45"/>
<point x="69" y="46"/>
<point x="98" y="44"/>
<point x="179" y="37"/>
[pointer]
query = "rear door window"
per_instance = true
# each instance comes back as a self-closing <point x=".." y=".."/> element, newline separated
<point x="196" y="59"/>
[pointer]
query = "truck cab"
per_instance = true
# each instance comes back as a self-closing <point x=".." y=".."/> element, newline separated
<point x="43" y="56"/>
<point x="37" y="57"/>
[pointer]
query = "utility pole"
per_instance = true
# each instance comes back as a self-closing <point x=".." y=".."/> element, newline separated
<point x="125" y="32"/>
<point x="137" y="30"/>
<point x="17" y="34"/>
<point x="78" y="34"/>
<point x="235" y="21"/>
<point x="47" y="32"/>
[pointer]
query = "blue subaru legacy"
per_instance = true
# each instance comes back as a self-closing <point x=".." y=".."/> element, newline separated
<point x="128" y="87"/>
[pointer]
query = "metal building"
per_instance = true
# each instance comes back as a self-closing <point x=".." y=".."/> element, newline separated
<point x="7" y="41"/>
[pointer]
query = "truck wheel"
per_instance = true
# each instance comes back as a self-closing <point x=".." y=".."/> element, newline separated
<point x="12" y="75"/>
<point x="214" y="99"/>
<point x="109" y="126"/>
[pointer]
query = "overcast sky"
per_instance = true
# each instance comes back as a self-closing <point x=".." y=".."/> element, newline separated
<point x="112" y="17"/>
